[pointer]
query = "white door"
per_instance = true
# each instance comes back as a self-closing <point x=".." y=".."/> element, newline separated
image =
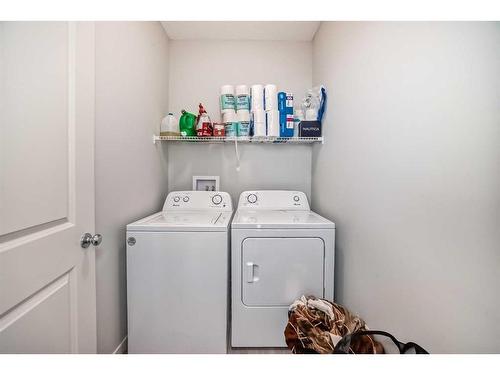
<point x="47" y="280"/>
<point x="277" y="271"/>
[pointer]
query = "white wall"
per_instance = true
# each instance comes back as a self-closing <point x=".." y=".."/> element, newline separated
<point x="197" y="70"/>
<point x="410" y="172"/>
<point x="131" y="176"/>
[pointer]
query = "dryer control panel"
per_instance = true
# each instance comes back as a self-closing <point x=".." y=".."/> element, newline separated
<point x="273" y="200"/>
<point x="198" y="200"/>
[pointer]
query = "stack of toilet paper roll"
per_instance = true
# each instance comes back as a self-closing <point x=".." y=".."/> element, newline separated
<point x="243" y="110"/>
<point x="235" y="110"/>
<point x="258" y="112"/>
<point x="265" y="112"/>
<point x="272" y="112"/>
<point x="228" y="110"/>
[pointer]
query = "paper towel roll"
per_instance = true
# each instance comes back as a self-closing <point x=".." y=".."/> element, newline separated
<point x="259" y="123"/>
<point x="227" y="100"/>
<point x="257" y="93"/>
<point x="229" y="116"/>
<point x="230" y="123"/>
<point x="273" y="123"/>
<point x="242" y="98"/>
<point x="227" y="89"/>
<point x="243" y="117"/>
<point x="242" y="90"/>
<point x="271" y="97"/>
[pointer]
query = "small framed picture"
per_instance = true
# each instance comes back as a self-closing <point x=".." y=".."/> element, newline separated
<point x="206" y="183"/>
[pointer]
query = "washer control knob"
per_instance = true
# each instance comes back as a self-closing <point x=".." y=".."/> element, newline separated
<point x="296" y="198"/>
<point x="217" y="199"/>
<point x="185" y="199"/>
<point x="177" y="199"/>
<point x="252" y="198"/>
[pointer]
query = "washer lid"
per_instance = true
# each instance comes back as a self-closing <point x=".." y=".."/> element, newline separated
<point x="279" y="219"/>
<point x="176" y="221"/>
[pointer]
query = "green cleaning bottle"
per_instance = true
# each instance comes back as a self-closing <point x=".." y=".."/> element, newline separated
<point x="187" y="124"/>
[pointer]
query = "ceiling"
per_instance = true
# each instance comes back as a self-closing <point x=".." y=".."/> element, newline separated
<point x="241" y="30"/>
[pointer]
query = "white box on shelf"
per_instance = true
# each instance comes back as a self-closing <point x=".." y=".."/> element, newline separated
<point x="206" y="183"/>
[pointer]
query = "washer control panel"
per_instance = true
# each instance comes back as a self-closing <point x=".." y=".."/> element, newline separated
<point x="273" y="200"/>
<point x="198" y="200"/>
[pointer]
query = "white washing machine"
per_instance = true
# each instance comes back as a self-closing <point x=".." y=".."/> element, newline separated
<point x="280" y="250"/>
<point x="177" y="276"/>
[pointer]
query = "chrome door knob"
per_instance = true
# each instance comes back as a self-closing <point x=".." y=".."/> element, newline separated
<point x="88" y="239"/>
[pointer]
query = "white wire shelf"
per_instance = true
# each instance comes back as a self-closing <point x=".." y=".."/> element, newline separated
<point x="278" y="140"/>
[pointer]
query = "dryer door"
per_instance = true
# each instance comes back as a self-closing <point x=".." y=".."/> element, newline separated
<point x="277" y="271"/>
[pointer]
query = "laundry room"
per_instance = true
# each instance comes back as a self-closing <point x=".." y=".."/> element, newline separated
<point x="251" y="187"/>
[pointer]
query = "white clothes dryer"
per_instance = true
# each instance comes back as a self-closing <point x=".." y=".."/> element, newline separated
<point x="177" y="276"/>
<point x="280" y="250"/>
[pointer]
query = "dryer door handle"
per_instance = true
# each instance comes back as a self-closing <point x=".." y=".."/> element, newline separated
<point x="251" y="274"/>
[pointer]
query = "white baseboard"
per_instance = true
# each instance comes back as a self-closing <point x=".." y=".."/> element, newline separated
<point x="122" y="348"/>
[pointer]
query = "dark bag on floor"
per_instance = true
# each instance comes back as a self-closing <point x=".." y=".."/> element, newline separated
<point x="375" y="342"/>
